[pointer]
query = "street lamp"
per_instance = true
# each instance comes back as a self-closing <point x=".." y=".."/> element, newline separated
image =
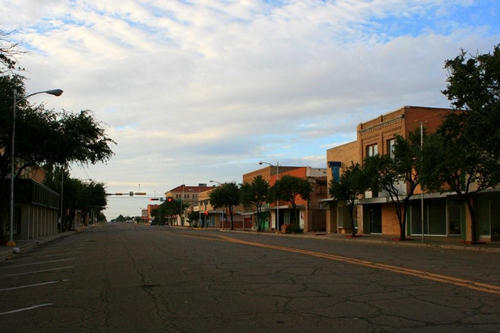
<point x="277" y="200"/>
<point x="222" y="212"/>
<point x="55" y="92"/>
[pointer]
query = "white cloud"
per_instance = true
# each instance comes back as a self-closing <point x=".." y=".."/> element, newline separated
<point x="203" y="90"/>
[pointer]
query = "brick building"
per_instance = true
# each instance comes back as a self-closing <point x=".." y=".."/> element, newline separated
<point x="188" y="195"/>
<point x="218" y="217"/>
<point x="311" y="217"/>
<point x="443" y="214"/>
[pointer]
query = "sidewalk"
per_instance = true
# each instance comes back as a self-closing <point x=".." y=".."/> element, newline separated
<point x="450" y="243"/>
<point x="25" y="245"/>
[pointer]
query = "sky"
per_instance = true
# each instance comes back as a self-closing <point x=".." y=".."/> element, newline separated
<point x="193" y="91"/>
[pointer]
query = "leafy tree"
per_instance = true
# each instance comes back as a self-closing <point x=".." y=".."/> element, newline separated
<point x="44" y="136"/>
<point x="351" y="184"/>
<point x="87" y="197"/>
<point x="464" y="154"/>
<point x="171" y="207"/>
<point x="193" y="218"/>
<point x="158" y="217"/>
<point x="226" y="195"/>
<point x="398" y="176"/>
<point x="288" y="188"/>
<point x="255" y="194"/>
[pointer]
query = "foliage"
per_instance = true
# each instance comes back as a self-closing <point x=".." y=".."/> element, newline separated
<point x="288" y="188"/>
<point x="8" y="51"/>
<point x="464" y="154"/>
<point x="397" y="176"/>
<point x="123" y="219"/>
<point x="86" y="197"/>
<point x="42" y="136"/>
<point x="226" y="195"/>
<point x="255" y="194"/>
<point x="169" y="208"/>
<point x="193" y="218"/>
<point x="352" y="183"/>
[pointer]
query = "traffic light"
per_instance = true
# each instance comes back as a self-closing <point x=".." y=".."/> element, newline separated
<point x="170" y="199"/>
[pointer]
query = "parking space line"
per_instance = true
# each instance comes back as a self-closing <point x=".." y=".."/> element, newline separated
<point x="34" y="285"/>
<point x="35" y="263"/>
<point x="41" y="271"/>
<point x="57" y="254"/>
<point x="25" y="309"/>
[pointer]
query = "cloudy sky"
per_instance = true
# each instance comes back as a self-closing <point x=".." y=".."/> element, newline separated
<point x="199" y="90"/>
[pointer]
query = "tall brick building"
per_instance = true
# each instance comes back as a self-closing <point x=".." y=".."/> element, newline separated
<point x="444" y="215"/>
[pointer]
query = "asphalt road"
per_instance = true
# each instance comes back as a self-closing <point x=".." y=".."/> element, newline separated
<point x="134" y="278"/>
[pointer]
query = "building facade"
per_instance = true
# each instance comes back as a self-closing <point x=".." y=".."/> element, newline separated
<point x="311" y="217"/>
<point x="443" y="214"/>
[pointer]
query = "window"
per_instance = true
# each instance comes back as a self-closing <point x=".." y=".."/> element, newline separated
<point x="390" y="147"/>
<point x="371" y="150"/>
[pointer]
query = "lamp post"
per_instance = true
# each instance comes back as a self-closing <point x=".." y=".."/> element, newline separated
<point x="277" y="200"/>
<point x="55" y="92"/>
<point x="421" y="187"/>
<point x="222" y="212"/>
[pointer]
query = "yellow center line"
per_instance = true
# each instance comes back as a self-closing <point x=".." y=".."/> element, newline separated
<point x="478" y="286"/>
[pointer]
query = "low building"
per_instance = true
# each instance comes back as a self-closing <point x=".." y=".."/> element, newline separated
<point x="36" y="210"/>
<point x="218" y="217"/>
<point x="311" y="217"/>
<point x="188" y="195"/>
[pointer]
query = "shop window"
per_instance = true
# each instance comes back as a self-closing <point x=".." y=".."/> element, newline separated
<point x="456" y="217"/>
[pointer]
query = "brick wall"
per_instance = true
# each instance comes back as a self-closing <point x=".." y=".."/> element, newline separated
<point x="345" y="153"/>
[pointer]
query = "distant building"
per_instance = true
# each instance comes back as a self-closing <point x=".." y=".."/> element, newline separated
<point x="311" y="217"/>
<point x="148" y="212"/>
<point x="188" y="195"/>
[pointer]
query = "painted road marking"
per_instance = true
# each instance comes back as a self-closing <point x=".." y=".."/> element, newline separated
<point x="479" y="286"/>
<point x="57" y="254"/>
<point x="35" y="263"/>
<point x="25" y="309"/>
<point x="41" y="271"/>
<point x="34" y="285"/>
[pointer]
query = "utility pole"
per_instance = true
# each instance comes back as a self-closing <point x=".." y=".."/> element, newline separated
<point x="421" y="188"/>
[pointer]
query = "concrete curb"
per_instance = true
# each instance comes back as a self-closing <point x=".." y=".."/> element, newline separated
<point x="7" y="254"/>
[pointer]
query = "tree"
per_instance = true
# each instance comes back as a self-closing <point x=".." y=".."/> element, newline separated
<point x="172" y="207"/>
<point x="464" y="154"/>
<point x="45" y="136"/>
<point x="255" y="194"/>
<point x="226" y="195"/>
<point x="8" y="51"/>
<point x="288" y="188"/>
<point x="351" y="184"/>
<point x="193" y="218"/>
<point x="398" y="175"/>
<point x="87" y="197"/>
